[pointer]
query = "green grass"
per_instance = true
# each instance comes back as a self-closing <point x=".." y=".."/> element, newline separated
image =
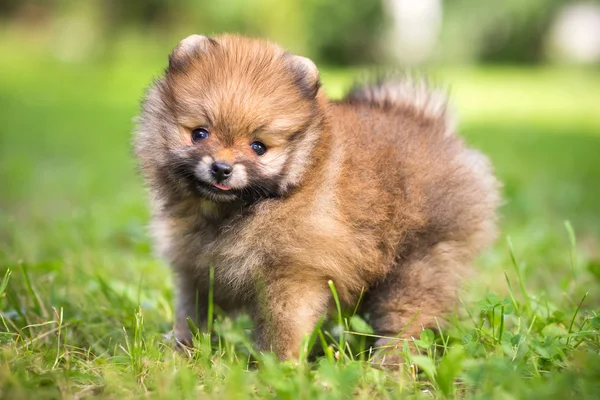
<point x="84" y="303"/>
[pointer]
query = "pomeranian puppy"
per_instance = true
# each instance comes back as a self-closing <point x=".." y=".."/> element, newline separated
<point x="252" y="171"/>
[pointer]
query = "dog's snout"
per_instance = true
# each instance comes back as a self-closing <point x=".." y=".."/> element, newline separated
<point x="221" y="170"/>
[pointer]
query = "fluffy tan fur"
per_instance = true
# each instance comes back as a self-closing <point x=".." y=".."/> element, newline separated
<point x="375" y="192"/>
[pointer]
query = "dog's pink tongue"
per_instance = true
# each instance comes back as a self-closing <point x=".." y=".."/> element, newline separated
<point x="222" y="187"/>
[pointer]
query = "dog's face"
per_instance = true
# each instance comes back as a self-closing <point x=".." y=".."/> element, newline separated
<point x="233" y="118"/>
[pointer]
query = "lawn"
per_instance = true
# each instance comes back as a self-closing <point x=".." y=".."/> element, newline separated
<point x="85" y="304"/>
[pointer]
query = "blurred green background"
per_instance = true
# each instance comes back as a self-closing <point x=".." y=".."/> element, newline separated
<point x="329" y="31"/>
<point x="523" y="75"/>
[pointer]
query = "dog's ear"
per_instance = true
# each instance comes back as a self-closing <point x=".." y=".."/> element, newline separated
<point x="306" y="73"/>
<point x="191" y="46"/>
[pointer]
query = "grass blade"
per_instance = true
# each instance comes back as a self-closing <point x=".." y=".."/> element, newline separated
<point x="518" y="271"/>
<point x="342" y="345"/>
<point x="575" y="316"/>
<point x="572" y="247"/>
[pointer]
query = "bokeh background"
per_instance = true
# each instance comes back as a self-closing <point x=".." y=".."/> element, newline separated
<point x="524" y="77"/>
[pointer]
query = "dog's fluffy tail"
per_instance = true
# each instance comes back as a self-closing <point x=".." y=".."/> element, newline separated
<point x="406" y="94"/>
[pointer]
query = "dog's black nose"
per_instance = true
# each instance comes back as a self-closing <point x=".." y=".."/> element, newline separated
<point x="221" y="170"/>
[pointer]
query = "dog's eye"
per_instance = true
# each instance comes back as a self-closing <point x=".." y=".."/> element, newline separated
<point x="199" y="134"/>
<point x="259" y="148"/>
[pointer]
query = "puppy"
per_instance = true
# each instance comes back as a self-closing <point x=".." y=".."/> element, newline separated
<point x="252" y="171"/>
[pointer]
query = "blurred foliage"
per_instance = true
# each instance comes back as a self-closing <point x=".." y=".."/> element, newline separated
<point x="344" y="32"/>
<point x="327" y="30"/>
<point x="511" y="31"/>
<point x="330" y="31"/>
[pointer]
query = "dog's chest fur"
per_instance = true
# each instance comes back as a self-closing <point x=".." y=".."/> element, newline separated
<point x="243" y="245"/>
<point x="200" y="237"/>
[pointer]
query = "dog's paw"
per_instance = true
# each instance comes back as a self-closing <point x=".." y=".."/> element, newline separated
<point x="178" y="342"/>
<point x="390" y="353"/>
